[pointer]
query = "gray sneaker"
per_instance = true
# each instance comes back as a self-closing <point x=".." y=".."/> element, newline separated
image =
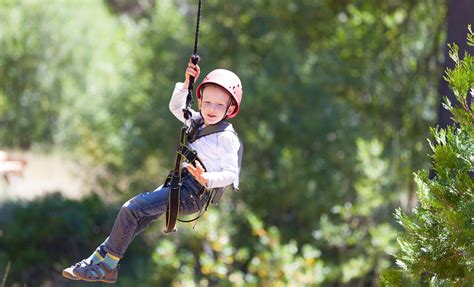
<point x="69" y="272"/>
<point x="99" y="272"/>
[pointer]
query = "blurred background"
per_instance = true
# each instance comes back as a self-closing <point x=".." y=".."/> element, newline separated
<point x="338" y="100"/>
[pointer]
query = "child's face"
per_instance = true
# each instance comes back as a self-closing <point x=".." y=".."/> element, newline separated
<point x="214" y="103"/>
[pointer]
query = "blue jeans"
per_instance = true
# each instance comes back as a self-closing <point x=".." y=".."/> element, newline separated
<point x="137" y="213"/>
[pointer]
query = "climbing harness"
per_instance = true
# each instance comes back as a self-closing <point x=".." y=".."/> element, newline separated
<point x="222" y="126"/>
<point x="195" y="132"/>
<point x="183" y="151"/>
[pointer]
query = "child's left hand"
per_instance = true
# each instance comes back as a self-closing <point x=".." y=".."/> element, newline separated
<point x="198" y="173"/>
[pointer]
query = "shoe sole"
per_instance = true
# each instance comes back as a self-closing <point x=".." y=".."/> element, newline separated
<point x="91" y="280"/>
<point x="69" y="274"/>
<point x="110" y="282"/>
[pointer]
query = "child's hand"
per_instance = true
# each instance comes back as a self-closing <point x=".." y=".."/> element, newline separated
<point x="198" y="172"/>
<point x="191" y="71"/>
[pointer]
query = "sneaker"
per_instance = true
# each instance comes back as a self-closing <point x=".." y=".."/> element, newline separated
<point x="99" y="272"/>
<point x="69" y="272"/>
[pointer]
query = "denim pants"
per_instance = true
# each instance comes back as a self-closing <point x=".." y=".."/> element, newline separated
<point x="137" y="213"/>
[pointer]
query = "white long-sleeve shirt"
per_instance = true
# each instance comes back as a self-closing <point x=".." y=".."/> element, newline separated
<point x="218" y="151"/>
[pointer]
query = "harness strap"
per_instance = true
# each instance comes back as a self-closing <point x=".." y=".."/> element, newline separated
<point x="173" y="202"/>
<point x="189" y="154"/>
<point x="212" y="129"/>
<point x="184" y="151"/>
<point x="174" y="181"/>
<point x="201" y="210"/>
<point x="196" y="133"/>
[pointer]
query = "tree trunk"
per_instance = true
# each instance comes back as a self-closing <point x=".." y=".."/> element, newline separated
<point x="460" y="14"/>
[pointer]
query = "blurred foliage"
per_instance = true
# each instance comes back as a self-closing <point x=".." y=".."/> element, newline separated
<point x="313" y="90"/>
<point x="42" y="237"/>
<point x="213" y="255"/>
<point x="356" y="238"/>
<point x="338" y="98"/>
<point x="436" y="248"/>
<point x="51" y="69"/>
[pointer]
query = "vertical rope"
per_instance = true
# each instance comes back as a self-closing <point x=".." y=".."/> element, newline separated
<point x="196" y="34"/>
<point x="194" y="60"/>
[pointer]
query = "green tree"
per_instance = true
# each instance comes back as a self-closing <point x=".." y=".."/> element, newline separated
<point x="134" y="139"/>
<point x="54" y="72"/>
<point x="459" y="15"/>
<point x="355" y="237"/>
<point x="436" y="248"/>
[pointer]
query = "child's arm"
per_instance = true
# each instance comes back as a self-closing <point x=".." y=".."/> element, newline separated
<point x="178" y="99"/>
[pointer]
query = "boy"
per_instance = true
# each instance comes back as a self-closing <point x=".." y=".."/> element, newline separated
<point x="218" y="96"/>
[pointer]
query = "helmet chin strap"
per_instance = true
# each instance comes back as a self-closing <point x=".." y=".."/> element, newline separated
<point x="225" y="115"/>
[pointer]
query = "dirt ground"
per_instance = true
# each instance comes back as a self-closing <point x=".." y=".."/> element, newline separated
<point x="43" y="173"/>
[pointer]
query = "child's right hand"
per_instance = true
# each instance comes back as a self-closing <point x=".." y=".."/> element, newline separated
<point x="191" y="71"/>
